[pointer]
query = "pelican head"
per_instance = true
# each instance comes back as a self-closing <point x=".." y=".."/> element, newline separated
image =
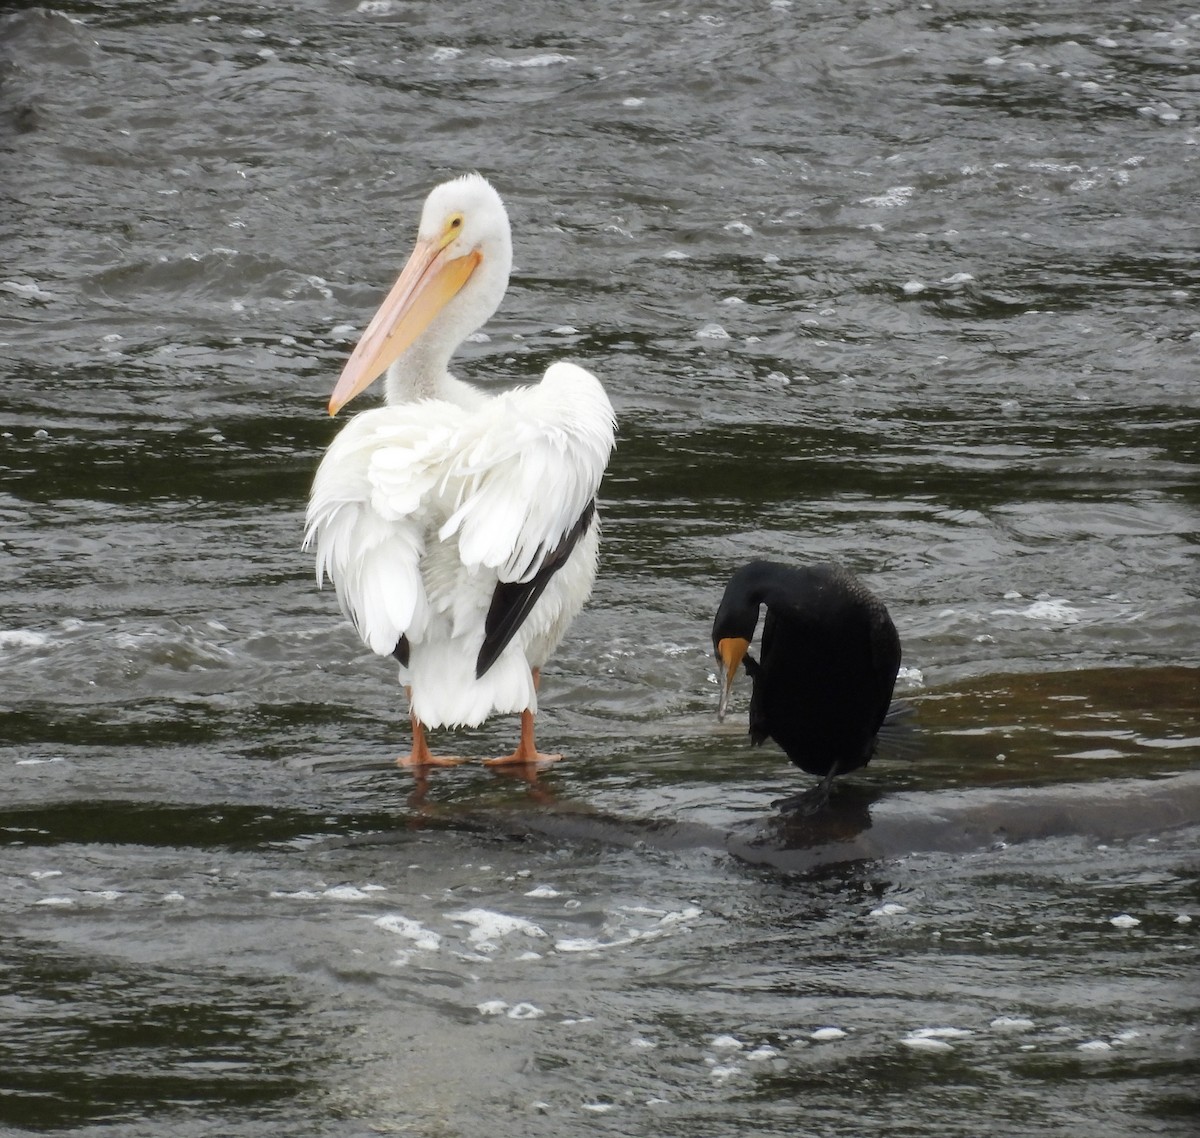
<point x="454" y="280"/>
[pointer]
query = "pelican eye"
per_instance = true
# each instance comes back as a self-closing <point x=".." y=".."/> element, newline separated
<point x="456" y="221"/>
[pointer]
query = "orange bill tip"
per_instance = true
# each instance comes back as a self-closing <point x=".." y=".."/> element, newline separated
<point x="731" y="650"/>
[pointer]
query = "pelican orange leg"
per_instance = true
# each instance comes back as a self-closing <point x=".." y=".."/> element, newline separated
<point x="526" y="753"/>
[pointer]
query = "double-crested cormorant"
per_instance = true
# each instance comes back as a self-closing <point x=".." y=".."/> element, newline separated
<point x="460" y="527"/>
<point x="829" y="658"/>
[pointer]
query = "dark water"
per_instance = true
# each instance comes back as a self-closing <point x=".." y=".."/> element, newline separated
<point x="912" y="286"/>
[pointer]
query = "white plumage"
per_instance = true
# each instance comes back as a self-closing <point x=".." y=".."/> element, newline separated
<point x="440" y="516"/>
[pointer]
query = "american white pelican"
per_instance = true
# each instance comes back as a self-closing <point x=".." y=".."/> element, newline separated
<point x="830" y="655"/>
<point x="459" y="527"/>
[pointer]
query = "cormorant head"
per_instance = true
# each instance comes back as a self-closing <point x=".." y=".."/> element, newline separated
<point x="733" y="628"/>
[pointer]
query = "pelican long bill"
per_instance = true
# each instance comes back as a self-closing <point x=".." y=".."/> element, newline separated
<point x="428" y="282"/>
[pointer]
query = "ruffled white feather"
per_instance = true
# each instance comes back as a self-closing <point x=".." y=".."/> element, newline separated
<point x="418" y="509"/>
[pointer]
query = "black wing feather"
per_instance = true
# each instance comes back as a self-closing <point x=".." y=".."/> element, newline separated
<point x="512" y="601"/>
<point x="401" y="650"/>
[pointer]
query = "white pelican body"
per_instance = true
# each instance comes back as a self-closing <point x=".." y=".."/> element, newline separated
<point x="458" y="528"/>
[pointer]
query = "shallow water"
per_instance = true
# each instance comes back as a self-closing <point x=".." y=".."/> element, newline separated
<point x="912" y="287"/>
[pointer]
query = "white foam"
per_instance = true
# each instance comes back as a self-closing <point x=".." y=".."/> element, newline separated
<point x="444" y="54"/>
<point x="827" y="1034"/>
<point x="525" y="1011"/>
<point x="487" y="924"/>
<point x="727" y="1043"/>
<point x="1051" y="610"/>
<point x="42" y="874"/>
<point x="738" y="227"/>
<point x="1012" y="1023"/>
<point x="761" y="1054"/>
<point x="891" y="198"/>
<point x="585" y="944"/>
<point x="26" y="290"/>
<point x="712" y="332"/>
<point x="543" y="891"/>
<point x="667" y="921"/>
<point x="546" y="59"/>
<point x="889" y="909"/>
<point x="678" y="916"/>
<point x="425" y="939"/>
<point x="345" y="893"/>
<point x="1097" y="1045"/>
<point x="924" y="1043"/>
<point x="22" y="638"/>
<point x="939" y="1033"/>
<point x="1124" y="921"/>
<point x="492" y="1008"/>
<point x="52" y="902"/>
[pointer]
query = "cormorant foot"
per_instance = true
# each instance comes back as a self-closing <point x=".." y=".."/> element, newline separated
<point x="805" y="803"/>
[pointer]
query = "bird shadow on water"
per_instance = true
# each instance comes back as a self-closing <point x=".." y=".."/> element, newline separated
<point x="957" y="794"/>
<point x="860" y="822"/>
<point x="842" y="817"/>
<point x="523" y="803"/>
<point x="863" y="820"/>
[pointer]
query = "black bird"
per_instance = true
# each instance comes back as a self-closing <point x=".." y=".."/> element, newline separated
<point x="829" y="658"/>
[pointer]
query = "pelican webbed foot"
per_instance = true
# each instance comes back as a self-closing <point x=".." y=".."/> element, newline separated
<point x="420" y="759"/>
<point x="526" y="753"/>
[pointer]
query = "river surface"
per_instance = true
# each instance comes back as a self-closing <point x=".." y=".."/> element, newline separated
<point x="909" y="286"/>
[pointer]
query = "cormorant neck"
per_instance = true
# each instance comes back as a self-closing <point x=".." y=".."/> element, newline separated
<point x="749" y="588"/>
